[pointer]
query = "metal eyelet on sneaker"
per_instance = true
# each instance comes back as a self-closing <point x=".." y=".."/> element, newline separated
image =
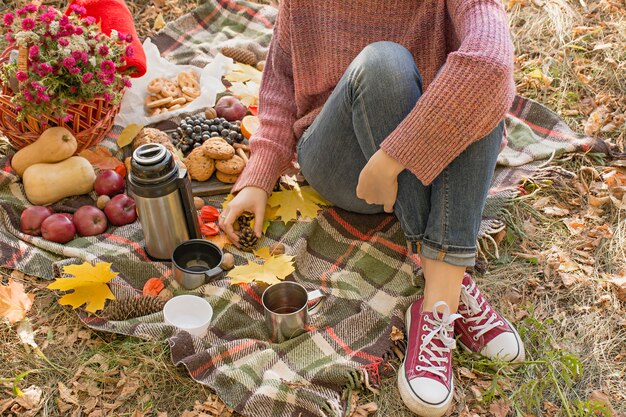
<point x="464" y="320"/>
<point x="421" y="358"/>
<point x="500" y="323"/>
<point x="470" y="328"/>
<point x="423" y="337"/>
<point x="475" y="338"/>
<point x="425" y="328"/>
<point x="418" y="368"/>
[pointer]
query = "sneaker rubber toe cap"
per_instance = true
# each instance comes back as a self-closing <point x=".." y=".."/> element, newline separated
<point x="430" y="391"/>
<point x="506" y="346"/>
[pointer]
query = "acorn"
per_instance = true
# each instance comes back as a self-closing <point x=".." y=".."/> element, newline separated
<point x="228" y="262"/>
<point x="210" y="113"/>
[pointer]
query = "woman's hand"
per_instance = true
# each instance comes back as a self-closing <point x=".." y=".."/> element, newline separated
<point x="378" y="181"/>
<point x="250" y="199"/>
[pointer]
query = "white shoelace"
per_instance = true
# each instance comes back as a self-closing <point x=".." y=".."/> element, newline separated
<point x="471" y="307"/>
<point x="435" y="357"/>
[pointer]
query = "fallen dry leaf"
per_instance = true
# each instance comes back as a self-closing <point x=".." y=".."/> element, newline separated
<point x="14" y="302"/>
<point x="220" y="240"/>
<point x="575" y="225"/>
<point x="101" y="157"/>
<point x="555" y="211"/>
<point x="159" y="23"/>
<point x="128" y="134"/>
<point x="500" y="408"/>
<point x="619" y="283"/>
<point x="271" y="271"/>
<point x="30" y="398"/>
<point x="396" y="334"/>
<point x="289" y="202"/>
<point x="65" y="394"/>
<point x="89" y="285"/>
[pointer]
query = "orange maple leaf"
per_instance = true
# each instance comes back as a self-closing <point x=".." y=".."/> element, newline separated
<point x="101" y="157"/>
<point x="14" y="302"/>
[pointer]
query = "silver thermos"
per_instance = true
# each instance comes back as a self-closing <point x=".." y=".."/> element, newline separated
<point x="162" y="193"/>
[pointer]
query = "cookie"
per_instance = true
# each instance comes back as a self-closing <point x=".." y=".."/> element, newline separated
<point x="199" y="166"/>
<point x="226" y="178"/>
<point x="150" y="135"/>
<point x="232" y="166"/>
<point x="218" y="149"/>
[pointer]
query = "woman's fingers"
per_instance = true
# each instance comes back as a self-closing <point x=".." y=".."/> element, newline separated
<point x="259" y="219"/>
<point x="230" y="215"/>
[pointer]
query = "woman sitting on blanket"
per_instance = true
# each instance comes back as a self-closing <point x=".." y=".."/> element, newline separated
<point x="396" y="106"/>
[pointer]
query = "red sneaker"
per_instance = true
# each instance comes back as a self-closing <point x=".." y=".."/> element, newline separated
<point x="425" y="379"/>
<point x="482" y="330"/>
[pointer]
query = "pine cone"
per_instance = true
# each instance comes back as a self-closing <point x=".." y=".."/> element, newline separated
<point x="132" y="307"/>
<point x="245" y="219"/>
<point x="247" y="238"/>
<point x="240" y="55"/>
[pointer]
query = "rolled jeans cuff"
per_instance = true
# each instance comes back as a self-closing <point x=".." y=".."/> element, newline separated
<point x="453" y="255"/>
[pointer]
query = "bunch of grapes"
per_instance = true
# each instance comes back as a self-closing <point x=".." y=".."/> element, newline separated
<point x="193" y="131"/>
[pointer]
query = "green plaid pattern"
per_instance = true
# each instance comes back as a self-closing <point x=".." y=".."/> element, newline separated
<point x="359" y="262"/>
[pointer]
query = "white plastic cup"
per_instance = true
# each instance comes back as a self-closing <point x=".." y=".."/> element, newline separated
<point x="190" y="313"/>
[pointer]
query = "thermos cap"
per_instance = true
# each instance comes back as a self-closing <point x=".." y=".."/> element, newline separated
<point x="152" y="163"/>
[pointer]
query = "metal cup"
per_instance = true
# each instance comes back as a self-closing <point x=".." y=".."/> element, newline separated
<point x="195" y="262"/>
<point x="286" y="309"/>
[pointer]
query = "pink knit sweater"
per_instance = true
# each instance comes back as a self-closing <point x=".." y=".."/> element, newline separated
<point x="315" y="41"/>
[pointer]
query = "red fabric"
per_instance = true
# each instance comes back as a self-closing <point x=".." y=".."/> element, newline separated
<point x="114" y="15"/>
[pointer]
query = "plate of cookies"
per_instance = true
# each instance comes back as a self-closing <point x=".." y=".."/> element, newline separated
<point x="168" y="90"/>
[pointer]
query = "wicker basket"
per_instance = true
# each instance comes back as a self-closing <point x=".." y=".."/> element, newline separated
<point x="90" y="124"/>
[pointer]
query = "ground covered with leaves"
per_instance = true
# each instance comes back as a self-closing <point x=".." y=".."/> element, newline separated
<point x="559" y="271"/>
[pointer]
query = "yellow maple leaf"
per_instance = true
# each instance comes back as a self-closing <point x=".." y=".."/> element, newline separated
<point x="242" y="73"/>
<point x="288" y="203"/>
<point x="14" y="302"/>
<point x="128" y="134"/>
<point x="247" y="93"/>
<point x="274" y="269"/>
<point x="220" y="240"/>
<point x="89" y="285"/>
<point x="263" y="253"/>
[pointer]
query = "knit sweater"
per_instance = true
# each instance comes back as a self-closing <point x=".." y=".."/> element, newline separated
<point x="467" y="41"/>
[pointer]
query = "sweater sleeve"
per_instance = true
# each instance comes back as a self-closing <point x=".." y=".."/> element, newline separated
<point x="272" y="147"/>
<point x="467" y="99"/>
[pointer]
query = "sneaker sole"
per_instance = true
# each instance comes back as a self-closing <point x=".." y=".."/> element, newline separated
<point x="410" y="399"/>
<point x="521" y="352"/>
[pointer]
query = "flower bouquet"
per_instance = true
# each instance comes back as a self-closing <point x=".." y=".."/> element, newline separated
<point x="60" y="70"/>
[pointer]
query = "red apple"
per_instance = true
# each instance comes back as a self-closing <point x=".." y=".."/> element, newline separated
<point x="108" y="182"/>
<point x="230" y="108"/>
<point x="121" y="210"/>
<point x="31" y="219"/>
<point x="58" y="228"/>
<point x="90" y="221"/>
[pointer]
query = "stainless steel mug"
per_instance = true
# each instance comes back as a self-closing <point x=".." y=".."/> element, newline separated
<point x="286" y="309"/>
<point x="195" y="262"/>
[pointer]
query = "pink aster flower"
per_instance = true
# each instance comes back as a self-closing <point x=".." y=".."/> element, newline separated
<point x="130" y="51"/>
<point x="37" y="87"/>
<point x="21" y="76"/>
<point x="121" y="36"/>
<point x="74" y="70"/>
<point x="73" y="89"/>
<point x="106" y="78"/>
<point x="45" y="68"/>
<point x="68" y="118"/>
<point x="107" y="66"/>
<point x="127" y="83"/>
<point x="21" y="12"/>
<point x="108" y="96"/>
<point x="103" y="50"/>
<point x="9" y="37"/>
<point x="28" y="95"/>
<point x="79" y="10"/>
<point x="78" y="30"/>
<point x="47" y="18"/>
<point x="8" y="19"/>
<point x="88" y="76"/>
<point x="129" y="38"/>
<point x="43" y="96"/>
<point x="69" y="62"/>
<point x="90" y="20"/>
<point x="64" y="41"/>
<point x="33" y="51"/>
<point x="30" y="8"/>
<point x="28" y="24"/>
<point x="64" y="21"/>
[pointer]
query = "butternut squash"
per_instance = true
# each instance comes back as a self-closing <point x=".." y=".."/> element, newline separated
<point x="53" y="145"/>
<point x="48" y="183"/>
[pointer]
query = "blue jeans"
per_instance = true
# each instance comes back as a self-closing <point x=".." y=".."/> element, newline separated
<point x="377" y="91"/>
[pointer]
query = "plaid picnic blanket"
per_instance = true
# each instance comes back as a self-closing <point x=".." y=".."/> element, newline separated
<point x="360" y="262"/>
